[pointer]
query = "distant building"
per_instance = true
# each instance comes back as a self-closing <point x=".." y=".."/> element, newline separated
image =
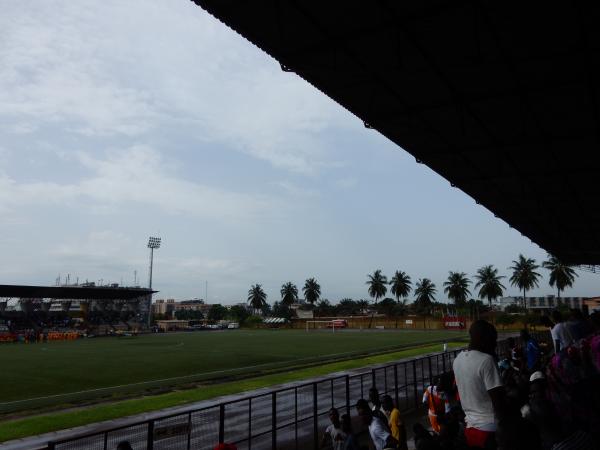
<point x="544" y="304"/>
<point x="170" y="306"/>
<point x="592" y="304"/>
<point x="162" y="306"/>
<point x="193" y="305"/>
<point x="172" y="325"/>
<point x="246" y="306"/>
<point x="302" y="309"/>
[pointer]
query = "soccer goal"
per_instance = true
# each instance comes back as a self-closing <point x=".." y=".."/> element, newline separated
<point x="324" y="324"/>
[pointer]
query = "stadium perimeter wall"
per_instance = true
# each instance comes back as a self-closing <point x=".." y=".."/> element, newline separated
<point x="415" y="323"/>
<point x="365" y="322"/>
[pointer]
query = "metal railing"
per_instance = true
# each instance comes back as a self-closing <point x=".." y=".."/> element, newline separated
<point x="288" y="418"/>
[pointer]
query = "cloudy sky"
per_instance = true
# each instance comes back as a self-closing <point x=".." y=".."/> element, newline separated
<point x="120" y="120"/>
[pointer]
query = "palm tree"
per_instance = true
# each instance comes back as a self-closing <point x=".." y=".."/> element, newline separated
<point x="488" y="282"/>
<point x="400" y="285"/>
<point x="362" y="304"/>
<point x="377" y="285"/>
<point x="377" y="288"/>
<point x="457" y="287"/>
<point x="524" y="275"/>
<point x="257" y="297"/>
<point x="289" y="293"/>
<point x="312" y="291"/>
<point x="425" y="294"/>
<point x="561" y="275"/>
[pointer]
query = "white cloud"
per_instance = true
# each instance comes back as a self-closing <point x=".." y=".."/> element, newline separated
<point x="345" y="183"/>
<point x="51" y="73"/>
<point x="138" y="175"/>
<point x="103" y="245"/>
<point x="203" y="266"/>
<point x="295" y="190"/>
<point x="102" y="69"/>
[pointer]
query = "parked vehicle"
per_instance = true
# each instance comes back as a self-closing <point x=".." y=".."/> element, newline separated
<point x="338" y="323"/>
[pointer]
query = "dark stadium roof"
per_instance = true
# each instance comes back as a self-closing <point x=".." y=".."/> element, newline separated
<point x="73" y="292"/>
<point x="500" y="98"/>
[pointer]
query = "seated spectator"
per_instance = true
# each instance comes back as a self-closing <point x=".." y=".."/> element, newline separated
<point x="350" y="442"/>
<point x="395" y="423"/>
<point x="531" y="351"/>
<point x="378" y="429"/>
<point x="515" y="353"/>
<point x="595" y="322"/>
<point x="555" y="433"/>
<point x="452" y="430"/>
<point x="423" y="438"/>
<point x="578" y="440"/>
<point x="437" y="405"/>
<point x="124" y="445"/>
<point x="479" y="385"/>
<point x="334" y="435"/>
<point x="376" y="404"/>
<point x="577" y="325"/>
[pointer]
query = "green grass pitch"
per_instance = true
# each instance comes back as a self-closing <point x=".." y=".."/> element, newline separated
<point x="40" y="370"/>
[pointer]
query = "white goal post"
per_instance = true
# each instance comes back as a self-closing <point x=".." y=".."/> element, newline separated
<point x="329" y="323"/>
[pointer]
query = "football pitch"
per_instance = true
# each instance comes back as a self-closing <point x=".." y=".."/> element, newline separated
<point x="57" y="371"/>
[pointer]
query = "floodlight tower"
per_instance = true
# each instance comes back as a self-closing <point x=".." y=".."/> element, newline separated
<point x="153" y="243"/>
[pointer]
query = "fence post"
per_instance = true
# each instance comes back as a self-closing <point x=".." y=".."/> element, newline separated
<point x="397" y="398"/>
<point x="430" y="374"/>
<point x="51" y="446"/>
<point x="249" y="423"/>
<point x="295" y="417"/>
<point x="444" y="361"/>
<point x="332" y="399"/>
<point x="315" y="417"/>
<point x="274" y="420"/>
<point x="414" y="364"/>
<point x="106" y="441"/>
<point x="373" y="379"/>
<point x="385" y="380"/>
<point x="189" y="444"/>
<point x="150" y="444"/>
<point x="362" y="388"/>
<point x="221" y="423"/>
<point x="348" y="395"/>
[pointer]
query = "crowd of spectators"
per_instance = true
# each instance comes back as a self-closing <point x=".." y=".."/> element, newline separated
<point x="37" y="328"/>
<point x="529" y="395"/>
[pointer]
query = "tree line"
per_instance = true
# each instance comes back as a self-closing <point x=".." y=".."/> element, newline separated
<point x="457" y="287"/>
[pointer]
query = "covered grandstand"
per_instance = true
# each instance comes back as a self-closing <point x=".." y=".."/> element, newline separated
<point x="89" y="308"/>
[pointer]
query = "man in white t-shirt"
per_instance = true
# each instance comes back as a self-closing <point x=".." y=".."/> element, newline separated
<point x="479" y="385"/>
<point x="561" y="335"/>
<point x="334" y="433"/>
<point x="378" y="429"/>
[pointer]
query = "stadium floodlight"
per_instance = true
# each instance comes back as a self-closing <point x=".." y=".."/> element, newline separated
<point x="153" y="242"/>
